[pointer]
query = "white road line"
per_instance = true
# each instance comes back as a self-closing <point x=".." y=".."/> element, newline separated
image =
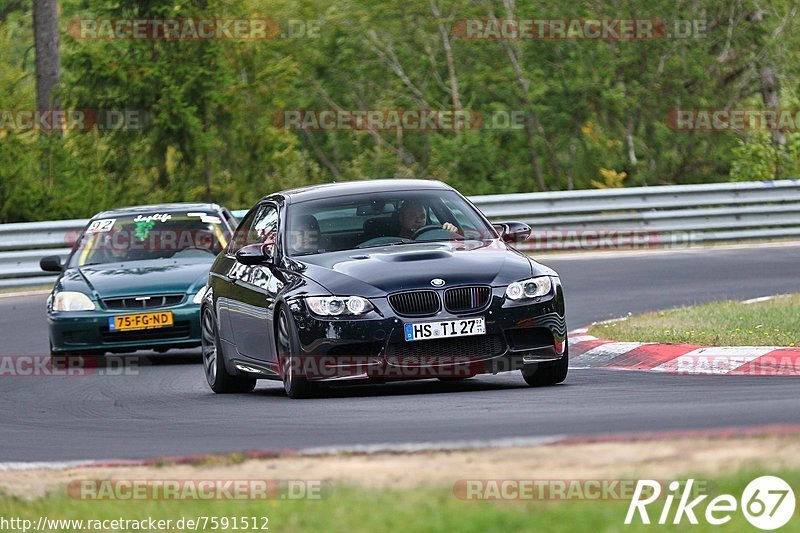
<point x="612" y="320"/>
<point x="764" y="299"/>
<point x="409" y="447"/>
<point x="43" y="465"/>
<point x="25" y="293"/>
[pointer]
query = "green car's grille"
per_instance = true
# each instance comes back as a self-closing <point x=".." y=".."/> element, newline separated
<point x="143" y="302"/>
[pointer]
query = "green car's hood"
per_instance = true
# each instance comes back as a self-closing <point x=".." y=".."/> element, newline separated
<point x="140" y="277"/>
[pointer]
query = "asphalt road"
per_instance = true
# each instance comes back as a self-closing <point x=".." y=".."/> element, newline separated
<point x="165" y="408"/>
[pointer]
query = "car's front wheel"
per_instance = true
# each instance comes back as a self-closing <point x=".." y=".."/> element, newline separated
<point x="217" y="375"/>
<point x="544" y="374"/>
<point x="295" y="384"/>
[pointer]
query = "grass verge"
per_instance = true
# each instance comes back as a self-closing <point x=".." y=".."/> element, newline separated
<point x="774" y="322"/>
<point x="419" y="509"/>
<point x="30" y="288"/>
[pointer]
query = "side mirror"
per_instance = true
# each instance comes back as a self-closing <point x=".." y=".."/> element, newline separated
<point x="51" y="263"/>
<point x="513" y="232"/>
<point x="255" y="254"/>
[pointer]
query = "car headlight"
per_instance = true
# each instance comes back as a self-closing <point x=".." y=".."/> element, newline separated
<point x="198" y="298"/>
<point x="72" y="301"/>
<point x="529" y="288"/>
<point x="338" y="305"/>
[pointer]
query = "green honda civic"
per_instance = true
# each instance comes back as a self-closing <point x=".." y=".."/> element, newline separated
<point x="135" y="278"/>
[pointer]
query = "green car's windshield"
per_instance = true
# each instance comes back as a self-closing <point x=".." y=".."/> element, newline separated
<point x="391" y="218"/>
<point x="148" y="236"/>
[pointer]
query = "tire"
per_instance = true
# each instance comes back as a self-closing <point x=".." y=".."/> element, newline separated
<point x="546" y="374"/>
<point x="295" y="385"/>
<point x="217" y="375"/>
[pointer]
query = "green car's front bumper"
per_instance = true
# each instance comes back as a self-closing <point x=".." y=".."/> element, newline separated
<point x="87" y="332"/>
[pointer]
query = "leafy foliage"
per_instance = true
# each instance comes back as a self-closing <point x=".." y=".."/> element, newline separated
<point x="588" y="112"/>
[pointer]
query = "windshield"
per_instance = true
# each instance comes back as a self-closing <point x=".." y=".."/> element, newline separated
<point x="148" y="236"/>
<point x="391" y="218"/>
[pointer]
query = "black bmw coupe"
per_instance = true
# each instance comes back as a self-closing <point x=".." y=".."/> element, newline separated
<point x="378" y="280"/>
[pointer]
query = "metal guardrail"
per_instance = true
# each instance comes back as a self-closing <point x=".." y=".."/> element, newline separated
<point x="675" y="215"/>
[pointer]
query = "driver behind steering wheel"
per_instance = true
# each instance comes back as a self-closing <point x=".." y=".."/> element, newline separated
<point x="413" y="215"/>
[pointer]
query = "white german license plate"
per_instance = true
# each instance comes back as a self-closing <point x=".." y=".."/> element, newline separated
<point x="444" y="329"/>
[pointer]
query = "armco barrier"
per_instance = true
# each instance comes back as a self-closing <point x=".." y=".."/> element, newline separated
<point x="663" y="216"/>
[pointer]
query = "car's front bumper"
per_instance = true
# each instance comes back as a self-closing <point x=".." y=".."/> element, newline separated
<point x="88" y="331"/>
<point x="374" y="346"/>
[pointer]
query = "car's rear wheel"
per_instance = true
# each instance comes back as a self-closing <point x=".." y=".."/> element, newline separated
<point x="545" y="374"/>
<point x="217" y="375"/>
<point x="294" y="383"/>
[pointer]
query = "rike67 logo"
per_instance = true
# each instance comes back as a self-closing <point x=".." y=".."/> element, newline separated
<point x="767" y="502"/>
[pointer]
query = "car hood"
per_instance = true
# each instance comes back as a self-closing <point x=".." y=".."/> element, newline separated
<point x="377" y="271"/>
<point x="138" y="277"/>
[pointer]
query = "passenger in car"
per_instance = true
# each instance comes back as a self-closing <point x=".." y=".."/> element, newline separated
<point x="305" y="237"/>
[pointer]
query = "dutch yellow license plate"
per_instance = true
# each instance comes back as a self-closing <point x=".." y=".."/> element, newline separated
<point x="141" y="321"/>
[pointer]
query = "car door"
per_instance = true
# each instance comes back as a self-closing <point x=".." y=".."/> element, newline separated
<point x="255" y="289"/>
<point x="224" y="275"/>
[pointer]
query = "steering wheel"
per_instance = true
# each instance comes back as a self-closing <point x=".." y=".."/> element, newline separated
<point x="425" y="229"/>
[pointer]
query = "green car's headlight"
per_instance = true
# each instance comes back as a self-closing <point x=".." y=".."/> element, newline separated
<point x="72" y="301"/>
